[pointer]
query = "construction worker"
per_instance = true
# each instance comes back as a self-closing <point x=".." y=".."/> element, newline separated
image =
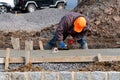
<point x="74" y="24"/>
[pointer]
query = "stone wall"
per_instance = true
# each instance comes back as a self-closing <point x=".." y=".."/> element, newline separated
<point x="98" y="75"/>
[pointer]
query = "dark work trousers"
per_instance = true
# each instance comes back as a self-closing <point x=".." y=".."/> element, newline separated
<point x="53" y="41"/>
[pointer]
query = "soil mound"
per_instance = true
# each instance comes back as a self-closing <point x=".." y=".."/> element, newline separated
<point x="105" y="21"/>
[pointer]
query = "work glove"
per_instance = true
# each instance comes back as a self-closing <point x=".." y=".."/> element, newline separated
<point x="62" y="44"/>
<point x="71" y="42"/>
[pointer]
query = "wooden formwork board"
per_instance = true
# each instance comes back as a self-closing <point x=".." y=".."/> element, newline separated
<point x="28" y="57"/>
<point x="63" y="59"/>
<point x="7" y="58"/>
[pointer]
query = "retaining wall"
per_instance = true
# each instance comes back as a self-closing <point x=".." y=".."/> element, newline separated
<point x="60" y="75"/>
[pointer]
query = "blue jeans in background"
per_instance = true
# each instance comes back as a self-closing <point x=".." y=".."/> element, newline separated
<point x="53" y="42"/>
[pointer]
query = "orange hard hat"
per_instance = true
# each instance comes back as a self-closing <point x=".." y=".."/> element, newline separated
<point x="79" y="24"/>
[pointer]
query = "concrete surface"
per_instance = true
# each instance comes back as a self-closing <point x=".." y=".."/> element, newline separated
<point x="47" y="53"/>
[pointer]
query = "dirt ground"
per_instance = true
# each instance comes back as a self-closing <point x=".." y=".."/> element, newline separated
<point x="105" y="22"/>
<point x="95" y="41"/>
<point x="102" y="66"/>
<point x="96" y="66"/>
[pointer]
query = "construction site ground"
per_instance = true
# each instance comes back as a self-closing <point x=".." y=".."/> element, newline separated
<point x="103" y="39"/>
<point x="70" y="60"/>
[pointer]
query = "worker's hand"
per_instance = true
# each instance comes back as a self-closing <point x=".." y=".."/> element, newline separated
<point x="62" y="44"/>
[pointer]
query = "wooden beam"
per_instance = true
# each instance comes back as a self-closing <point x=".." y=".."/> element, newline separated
<point x="27" y="57"/>
<point x="111" y="58"/>
<point x="17" y="60"/>
<point x="15" y="43"/>
<point x="58" y="76"/>
<point x="99" y="58"/>
<point x="2" y="60"/>
<point x="28" y="45"/>
<point x="73" y="76"/>
<point x="52" y="59"/>
<point x="62" y="59"/>
<point x="7" y="59"/>
<point x="41" y="45"/>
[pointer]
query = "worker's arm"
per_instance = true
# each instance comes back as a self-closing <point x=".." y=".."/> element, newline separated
<point x="61" y="29"/>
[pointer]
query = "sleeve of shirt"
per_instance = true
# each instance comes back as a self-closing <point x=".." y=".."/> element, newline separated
<point x="60" y="29"/>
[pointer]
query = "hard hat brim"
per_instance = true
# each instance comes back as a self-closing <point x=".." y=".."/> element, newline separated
<point x="77" y="29"/>
<point x="79" y="24"/>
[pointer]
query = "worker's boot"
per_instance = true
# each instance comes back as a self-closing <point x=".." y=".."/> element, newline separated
<point x="51" y="43"/>
<point x="48" y="46"/>
<point x="84" y="46"/>
<point x="83" y="43"/>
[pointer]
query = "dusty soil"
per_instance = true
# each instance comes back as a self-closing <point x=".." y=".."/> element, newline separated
<point x="95" y="41"/>
<point x="27" y="67"/>
<point x="35" y="36"/>
<point x="102" y="66"/>
<point x="105" y="21"/>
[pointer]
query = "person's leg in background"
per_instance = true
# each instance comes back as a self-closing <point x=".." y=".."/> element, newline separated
<point x="52" y="42"/>
<point x="83" y="43"/>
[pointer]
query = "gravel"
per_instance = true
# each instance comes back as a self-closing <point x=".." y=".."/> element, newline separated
<point x="61" y="66"/>
<point x="31" y="21"/>
<point x="52" y="66"/>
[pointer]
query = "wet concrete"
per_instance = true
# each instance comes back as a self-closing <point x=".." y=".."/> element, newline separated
<point x="77" y="52"/>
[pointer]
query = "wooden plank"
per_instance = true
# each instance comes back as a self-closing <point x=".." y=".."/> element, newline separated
<point x="15" y="43"/>
<point x="7" y="59"/>
<point x="111" y="58"/>
<point x="27" y="57"/>
<point x="41" y="45"/>
<point x="73" y="75"/>
<point x="62" y="59"/>
<point x="28" y="45"/>
<point x="99" y="58"/>
<point x="2" y="60"/>
<point x="54" y="59"/>
<point x="17" y="60"/>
